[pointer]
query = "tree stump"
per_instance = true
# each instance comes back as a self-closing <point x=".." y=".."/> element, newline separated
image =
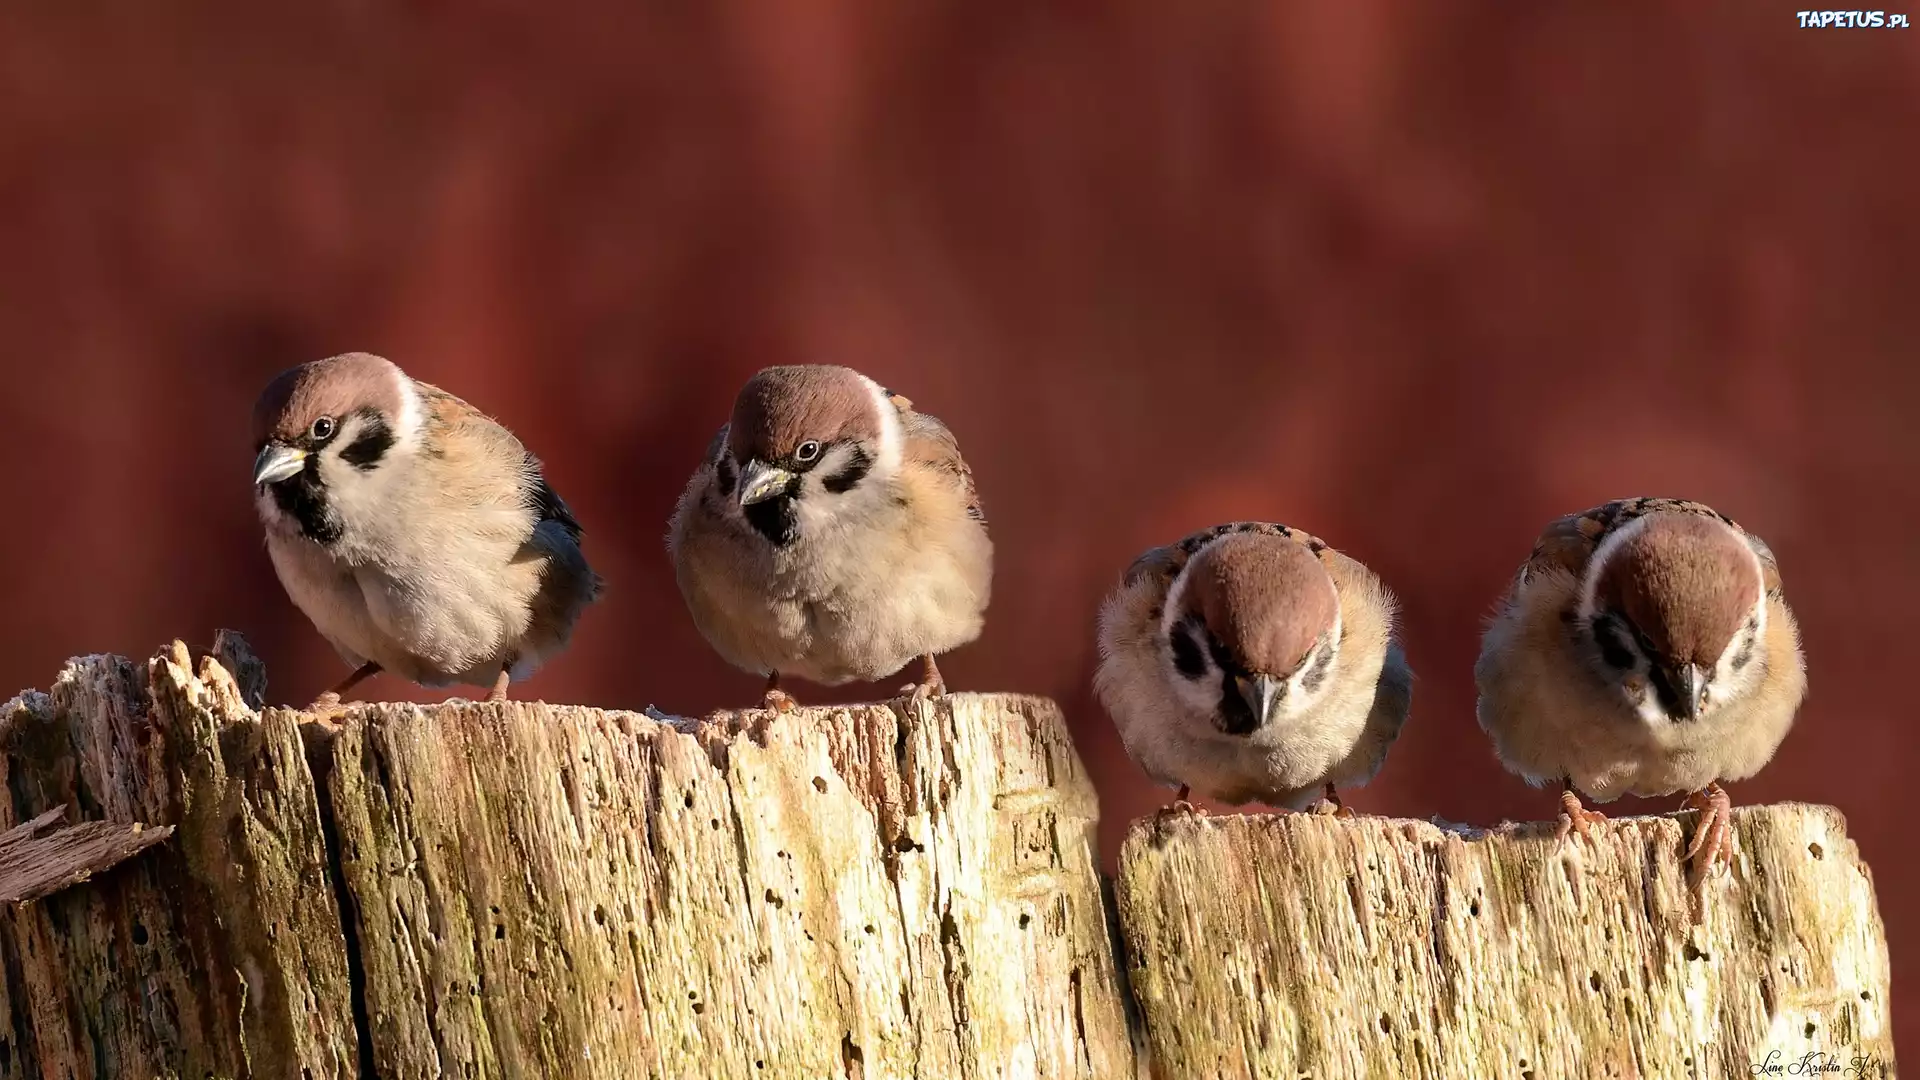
<point x="1298" y="945"/>
<point x="524" y="890"/>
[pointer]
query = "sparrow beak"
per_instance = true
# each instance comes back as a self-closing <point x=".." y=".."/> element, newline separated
<point x="1262" y="694"/>
<point x="760" y="482"/>
<point x="277" y="462"/>
<point x="1690" y="684"/>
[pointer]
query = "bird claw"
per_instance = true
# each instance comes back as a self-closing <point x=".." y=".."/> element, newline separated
<point x="1179" y="808"/>
<point x="1331" y="806"/>
<point x="1575" y="818"/>
<point x="917" y="694"/>
<point x="780" y="701"/>
<point x="1712" y="844"/>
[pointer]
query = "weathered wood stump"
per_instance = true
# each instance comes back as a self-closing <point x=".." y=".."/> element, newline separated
<point x="1297" y="945"/>
<point x="533" y="890"/>
<point x="868" y="893"/>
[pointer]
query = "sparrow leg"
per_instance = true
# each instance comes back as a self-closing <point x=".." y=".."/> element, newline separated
<point x="1331" y="805"/>
<point x="1712" y="841"/>
<point x="499" y="691"/>
<point x="1574" y="817"/>
<point x="1180" y="805"/>
<point x="931" y="684"/>
<point x="777" y="699"/>
<point x="329" y="703"/>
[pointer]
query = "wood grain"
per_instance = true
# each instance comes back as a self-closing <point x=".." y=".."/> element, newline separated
<point x="1297" y="945"/>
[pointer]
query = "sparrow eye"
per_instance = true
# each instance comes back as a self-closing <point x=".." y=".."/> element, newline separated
<point x="807" y="453"/>
<point x="322" y="429"/>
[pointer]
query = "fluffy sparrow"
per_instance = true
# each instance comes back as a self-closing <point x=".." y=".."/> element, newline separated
<point x="1644" y="648"/>
<point x="1252" y="661"/>
<point x="417" y="534"/>
<point x="833" y="533"/>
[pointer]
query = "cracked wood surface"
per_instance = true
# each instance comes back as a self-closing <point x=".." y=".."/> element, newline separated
<point x="48" y="854"/>
<point x="1297" y="945"/>
<point x="838" y="892"/>
<point x="218" y="948"/>
<point x="551" y="891"/>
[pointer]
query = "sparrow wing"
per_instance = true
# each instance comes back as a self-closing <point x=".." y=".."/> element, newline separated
<point x="930" y="443"/>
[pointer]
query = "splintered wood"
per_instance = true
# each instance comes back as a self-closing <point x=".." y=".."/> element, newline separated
<point x="221" y="947"/>
<point x="884" y="892"/>
<point x="520" y="890"/>
<point x="832" y="893"/>
<point x="1297" y="946"/>
<point x="46" y="854"/>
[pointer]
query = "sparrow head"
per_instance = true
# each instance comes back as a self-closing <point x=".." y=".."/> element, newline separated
<point x="1674" y="606"/>
<point x="806" y="442"/>
<point x="1253" y="629"/>
<point x="322" y="426"/>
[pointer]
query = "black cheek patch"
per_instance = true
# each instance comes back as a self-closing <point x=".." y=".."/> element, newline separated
<point x="1613" y="645"/>
<point x="774" y="519"/>
<point x="372" y="444"/>
<point x="1317" y="674"/>
<point x="724" y="475"/>
<point x="855" y="471"/>
<point x="1186" y="653"/>
<point x="1745" y="656"/>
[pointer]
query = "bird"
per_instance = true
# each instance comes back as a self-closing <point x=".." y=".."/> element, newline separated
<point x="1251" y="661"/>
<point x="832" y="532"/>
<point x="417" y="534"/>
<point x="1645" y="647"/>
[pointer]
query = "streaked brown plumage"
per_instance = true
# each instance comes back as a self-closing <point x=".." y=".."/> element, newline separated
<point x="1645" y="648"/>
<point x="832" y="532"/>
<point x="417" y="534"/>
<point x="1251" y="661"/>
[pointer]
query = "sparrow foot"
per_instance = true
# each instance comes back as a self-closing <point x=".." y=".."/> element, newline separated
<point x="327" y="709"/>
<point x="1712" y="844"/>
<point x="931" y="684"/>
<point x="778" y="700"/>
<point x="1331" y="806"/>
<point x="1180" y="807"/>
<point x="1575" y="818"/>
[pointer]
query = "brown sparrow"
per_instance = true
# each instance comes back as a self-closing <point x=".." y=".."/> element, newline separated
<point x="833" y="533"/>
<point x="415" y="533"/>
<point x="1252" y="661"/>
<point x="1644" y="648"/>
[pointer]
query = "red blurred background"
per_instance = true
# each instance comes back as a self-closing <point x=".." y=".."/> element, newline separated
<point x="1414" y="277"/>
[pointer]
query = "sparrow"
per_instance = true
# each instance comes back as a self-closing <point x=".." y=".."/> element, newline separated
<point x="1646" y="648"/>
<point x="414" y="532"/>
<point x="831" y="532"/>
<point x="1251" y="661"/>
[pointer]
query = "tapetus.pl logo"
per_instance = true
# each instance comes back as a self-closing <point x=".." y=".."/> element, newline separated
<point x="1860" y="20"/>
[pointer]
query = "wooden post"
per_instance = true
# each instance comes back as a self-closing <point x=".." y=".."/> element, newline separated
<point x="1298" y="945"/>
<point x="533" y="890"/>
<point x="865" y="893"/>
